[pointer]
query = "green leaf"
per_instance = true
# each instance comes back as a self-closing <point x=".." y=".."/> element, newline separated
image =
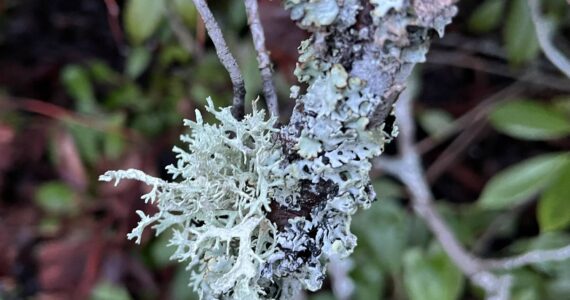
<point x="554" y="206"/>
<point x="519" y="35"/>
<point x="142" y="18"/>
<point x="101" y="72"/>
<point x="55" y="198"/>
<point x="435" y="121"/>
<point x="78" y="84"/>
<point x="527" y="286"/>
<point x="520" y="182"/>
<point x="369" y="280"/>
<point x="383" y="229"/>
<point x="562" y="104"/>
<point x="187" y="11"/>
<point x="87" y="141"/>
<point x="487" y="16"/>
<point x="386" y="188"/>
<point x="431" y="275"/>
<point x="137" y="62"/>
<point x="530" y="120"/>
<point x="109" y="291"/>
<point x="113" y="144"/>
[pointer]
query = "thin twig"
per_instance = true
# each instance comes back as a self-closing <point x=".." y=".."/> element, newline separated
<point x="532" y="257"/>
<point x="113" y="12"/>
<point x="466" y="61"/>
<point x="455" y="150"/>
<point x="227" y="59"/>
<point x="473" y="116"/>
<point x="180" y="30"/>
<point x="544" y="33"/>
<point x="408" y="168"/>
<point x="263" y="60"/>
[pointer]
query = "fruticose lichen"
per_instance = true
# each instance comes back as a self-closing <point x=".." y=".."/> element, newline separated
<point x="259" y="211"/>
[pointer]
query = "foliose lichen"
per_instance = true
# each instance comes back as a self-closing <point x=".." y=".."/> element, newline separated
<point x="257" y="211"/>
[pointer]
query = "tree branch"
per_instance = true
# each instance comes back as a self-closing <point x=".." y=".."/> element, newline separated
<point x="532" y="257"/>
<point x="408" y="168"/>
<point x="263" y="60"/>
<point x="544" y="33"/>
<point x="225" y="57"/>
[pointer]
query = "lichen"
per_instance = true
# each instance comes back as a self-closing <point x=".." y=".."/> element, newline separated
<point x="217" y="203"/>
<point x="259" y="211"/>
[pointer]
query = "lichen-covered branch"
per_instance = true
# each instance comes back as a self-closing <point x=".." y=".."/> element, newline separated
<point x="263" y="60"/>
<point x="225" y="57"/>
<point x="260" y="211"/>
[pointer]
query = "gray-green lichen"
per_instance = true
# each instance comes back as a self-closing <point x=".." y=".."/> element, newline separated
<point x="218" y="202"/>
<point x="258" y="211"/>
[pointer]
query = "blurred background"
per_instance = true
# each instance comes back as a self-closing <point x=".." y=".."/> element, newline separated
<point x="92" y="85"/>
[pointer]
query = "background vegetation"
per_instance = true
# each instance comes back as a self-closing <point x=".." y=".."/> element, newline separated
<point x="92" y="85"/>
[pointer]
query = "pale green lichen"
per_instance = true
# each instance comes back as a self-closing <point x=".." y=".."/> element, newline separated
<point x="258" y="211"/>
<point x="217" y="206"/>
<point x="314" y="12"/>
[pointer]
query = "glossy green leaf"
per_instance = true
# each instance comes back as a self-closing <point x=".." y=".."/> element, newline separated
<point x="78" y="84"/>
<point x="522" y="181"/>
<point x="554" y="206"/>
<point x="431" y="275"/>
<point x="435" y="121"/>
<point x="109" y="291"/>
<point x="141" y="18"/>
<point x="55" y="198"/>
<point x="519" y="35"/>
<point x="137" y="62"/>
<point x="487" y="16"/>
<point x="530" y="120"/>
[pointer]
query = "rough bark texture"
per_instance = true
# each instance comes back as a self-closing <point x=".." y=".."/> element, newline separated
<point x="354" y="66"/>
<point x="260" y="211"/>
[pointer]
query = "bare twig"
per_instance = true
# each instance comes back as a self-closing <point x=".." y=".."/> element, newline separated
<point x="263" y="60"/>
<point x="474" y="115"/>
<point x="225" y="57"/>
<point x="455" y="150"/>
<point x="113" y="12"/>
<point x="180" y="30"/>
<point x="466" y="61"/>
<point x="408" y="168"/>
<point x="544" y="33"/>
<point x="532" y="257"/>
